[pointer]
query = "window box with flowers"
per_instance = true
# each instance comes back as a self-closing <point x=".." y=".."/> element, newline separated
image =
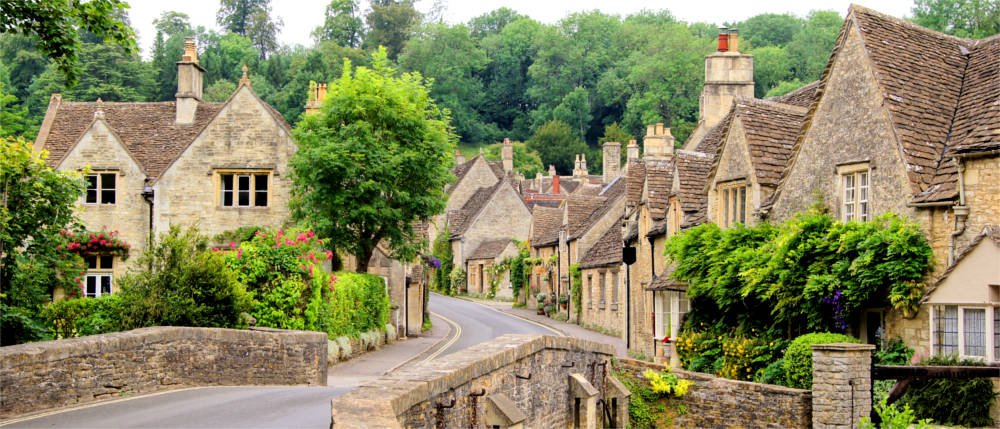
<point x="99" y="251"/>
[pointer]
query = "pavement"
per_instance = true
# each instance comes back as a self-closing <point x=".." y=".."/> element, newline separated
<point x="568" y="329"/>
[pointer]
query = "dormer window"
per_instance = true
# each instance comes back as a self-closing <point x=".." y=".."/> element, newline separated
<point x="855" y="185"/>
<point x="732" y="204"/>
<point x="243" y="189"/>
<point x="100" y="188"/>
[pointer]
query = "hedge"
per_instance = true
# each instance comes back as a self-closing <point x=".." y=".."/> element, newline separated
<point x="798" y="358"/>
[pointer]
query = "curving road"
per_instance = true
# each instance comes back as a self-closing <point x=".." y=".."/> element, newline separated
<point x="272" y="406"/>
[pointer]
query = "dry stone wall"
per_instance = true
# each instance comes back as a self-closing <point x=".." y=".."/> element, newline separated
<point x="38" y="376"/>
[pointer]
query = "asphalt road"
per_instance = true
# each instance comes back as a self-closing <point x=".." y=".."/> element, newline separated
<point x="479" y="323"/>
<point x="270" y="407"/>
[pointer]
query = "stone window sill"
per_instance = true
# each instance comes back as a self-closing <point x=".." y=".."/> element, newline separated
<point x="601" y="306"/>
<point x="249" y="208"/>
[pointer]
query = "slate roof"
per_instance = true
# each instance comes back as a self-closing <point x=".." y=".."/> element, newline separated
<point x="490" y="249"/>
<point x="462" y="169"/>
<point x="990" y="232"/>
<point x="710" y="143"/>
<point x="977" y="122"/>
<point x="636" y="177"/>
<point x="659" y="178"/>
<point x="611" y="193"/>
<point x="147" y="130"/>
<point x="607" y="251"/>
<point x="665" y="281"/>
<point x="692" y="171"/>
<point x="771" y="130"/>
<point x="802" y="97"/>
<point x="567" y="184"/>
<point x="579" y="209"/>
<point x="546" y="223"/>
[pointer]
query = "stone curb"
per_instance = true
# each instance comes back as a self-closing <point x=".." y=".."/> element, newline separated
<point x="423" y="352"/>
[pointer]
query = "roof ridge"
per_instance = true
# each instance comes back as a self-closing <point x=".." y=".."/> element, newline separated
<point x="911" y="25"/>
<point x="692" y="153"/>
<point x="775" y="105"/>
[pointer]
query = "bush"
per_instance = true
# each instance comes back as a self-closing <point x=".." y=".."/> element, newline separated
<point x="358" y="303"/>
<point x="798" y="357"/>
<point x="76" y="317"/>
<point x="892" y="352"/>
<point x="952" y="401"/>
<point x="457" y="280"/>
<point x="774" y="374"/>
<point x="182" y="284"/>
<point x="894" y="418"/>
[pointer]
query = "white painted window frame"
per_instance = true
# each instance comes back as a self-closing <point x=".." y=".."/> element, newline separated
<point x="991" y="310"/>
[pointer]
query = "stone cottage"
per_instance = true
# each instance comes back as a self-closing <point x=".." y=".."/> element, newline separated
<point x="149" y="165"/>
<point x="491" y="253"/>
<point x="546" y="225"/>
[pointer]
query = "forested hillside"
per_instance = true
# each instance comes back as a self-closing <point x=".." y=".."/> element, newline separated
<point x="501" y="74"/>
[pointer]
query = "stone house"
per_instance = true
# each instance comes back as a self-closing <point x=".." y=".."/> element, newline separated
<point x="546" y="225"/>
<point x="183" y="162"/>
<point x="490" y="253"/>
<point x="922" y="143"/>
<point x="603" y="275"/>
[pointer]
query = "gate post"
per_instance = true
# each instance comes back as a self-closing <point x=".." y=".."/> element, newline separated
<point x="842" y="385"/>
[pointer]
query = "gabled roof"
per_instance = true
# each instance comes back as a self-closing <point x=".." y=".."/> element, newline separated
<point x="464" y="216"/>
<point x="692" y="171"/>
<point x="633" y="185"/>
<point x="771" y="130"/>
<point x="977" y="122"/>
<point x="611" y="193"/>
<point x="147" y="130"/>
<point x="462" y="169"/>
<point x="710" y="143"/>
<point x="578" y="211"/>
<point x="659" y="178"/>
<point x="607" y="251"/>
<point x="665" y="281"/>
<point x="990" y="232"/>
<point x="490" y="249"/>
<point x="802" y="97"/>
<point x="546" y="222"/>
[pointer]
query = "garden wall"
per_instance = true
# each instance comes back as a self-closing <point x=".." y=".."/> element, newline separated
<point x="38" y="376"/>
<point x="715" y="402"/>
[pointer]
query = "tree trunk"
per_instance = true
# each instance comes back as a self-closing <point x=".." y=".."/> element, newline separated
<point x="363" y="257"/>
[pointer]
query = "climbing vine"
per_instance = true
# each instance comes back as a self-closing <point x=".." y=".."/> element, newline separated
<point x="576" y="288"/>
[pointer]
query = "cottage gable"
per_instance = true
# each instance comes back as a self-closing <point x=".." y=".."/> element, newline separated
<point x="497" y="212"/>
<point x="975" y="276"/>
<point x="470" y="176"/>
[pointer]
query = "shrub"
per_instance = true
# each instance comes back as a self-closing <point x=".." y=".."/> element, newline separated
<point x="892" y="352"/>
<point x="576" y="288"/>
<point x="457" y="280"/>
<point x="357" y="304"/>
<point x="894" y="418"/>
<point x="961" y="402"/>
<point x="667" y="383"/>
<point x="181" y="284"/>
<point x="798" y="357"/>
<point x="774" y="373"/>
<point x="76" y="317"/>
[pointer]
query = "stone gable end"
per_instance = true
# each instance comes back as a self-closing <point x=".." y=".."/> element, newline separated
<point x="480" y="175"/>
<point x="849" y="125"/>
<point x="734" y="164"/>
<point x="505" y="215"/>
<point x="243" y="136"/>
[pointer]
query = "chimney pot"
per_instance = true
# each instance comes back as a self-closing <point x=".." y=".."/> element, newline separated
<point x="734" y="35"/>
<point x="659" y="128"/>
<point x="651" y="130"/>
<point x="723" y="39"/>
<point x="555" y="184"/>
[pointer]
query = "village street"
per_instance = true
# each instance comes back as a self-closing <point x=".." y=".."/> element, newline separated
<point x="458" y="324"/>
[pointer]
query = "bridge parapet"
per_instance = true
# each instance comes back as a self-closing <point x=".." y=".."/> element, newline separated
<point x="51" y="374"/>
<point x="529" y="380"/>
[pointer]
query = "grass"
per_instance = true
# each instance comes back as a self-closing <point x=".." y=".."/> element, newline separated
<point x="601" y="329"/>
<point x="427" y="325"/>
<point x="470" y="150"/>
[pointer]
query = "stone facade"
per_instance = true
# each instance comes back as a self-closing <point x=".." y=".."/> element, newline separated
<point x="842" y="385"/>
<point x="607" y="313"/>
<point x="39" y="376"/>
<point x="538" y="374"/>
<point x="715" y="402"/>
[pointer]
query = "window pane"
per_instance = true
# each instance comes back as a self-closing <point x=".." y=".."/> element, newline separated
<point x="107" y="196"/>
<point x="260" y="182"/>
<point x="105" y="285"/>
<point x="108" y="181"/>
<point x="602" y="286"/>
<point x="736" y="207"/>
<point x="91" y="262"/>
<point x="945" y="329"/>
<point x="725" y="202"/>
<point x="227" y="190"/>
<point x="975" y="331"/>
<point x="91" y="189"/>
<point x="106" y="262"/>
<point x="260" y="190"/>
<point x="91" y="286"/>
<point x="743" y="204"/>
<point x="614" y="287"/>
<point x="243" y="182"/>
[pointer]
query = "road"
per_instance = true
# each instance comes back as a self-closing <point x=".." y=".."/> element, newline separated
<point x="273" y="406"/>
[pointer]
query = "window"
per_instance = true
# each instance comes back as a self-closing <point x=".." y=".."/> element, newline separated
<point x="733" y="200"/>
<point x="614" y="287"/>
<point x="945" y="329"/>
<point x="974" y="320"/>
<point x="855" y="194"/>
<point x="659" y="309"/>
<point x="965" y="331"/>
<point x="668" y="313"/>
<point x="590" y="290"/>
<point x="98" y="280"/>
<point x="100" y="188"/>
<point x="602" y="285"/>
<point x="243" y="189"/>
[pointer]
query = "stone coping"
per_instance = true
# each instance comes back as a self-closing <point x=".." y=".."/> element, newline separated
<point x="47" y="351"/>
<point x="700" y="376"/>
<point x="843" y="347"/>
<point x="412" y="385"/>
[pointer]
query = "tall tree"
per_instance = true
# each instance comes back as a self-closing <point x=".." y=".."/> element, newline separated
<point x="13" y="116"/>
<point x="252" y="19"/>
<point x="493" y="22"/>
<point x="342" y="25"/>
<point x="962" y="18"/>
<point x="770" y="29"/>
<point x="373" y="161"/>
<point x="58" y="25"/>
<point x="556" y="144"/>
<point x="390" y="24"/>
<point x="772" y="65"/>
<point x="574" y="110"/>
<point x="810" y="49"/>
<point x="168" y="46"/>
<point x="505" y="100"/>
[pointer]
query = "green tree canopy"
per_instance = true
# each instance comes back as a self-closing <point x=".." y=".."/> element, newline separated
<point x="373" y="161"/>
<point x="810" y="49"/>
<point x="390" y="24"/>
<point x="962" y="18"/>
<point x="526" y="160"/>
<point x="251" y="19"/>
<point x="770" y="29"/>
<point x="342" y="25"/>
<point x="556" y="144"/>
<point x="58" y="26"/>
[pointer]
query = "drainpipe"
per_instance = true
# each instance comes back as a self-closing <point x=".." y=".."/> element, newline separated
<point x="961" y="214"/>
<point x="147" y="194"/>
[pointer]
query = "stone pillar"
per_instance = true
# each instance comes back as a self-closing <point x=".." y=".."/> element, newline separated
<point x="842" y="385"/>
<point x="632" y="151"/>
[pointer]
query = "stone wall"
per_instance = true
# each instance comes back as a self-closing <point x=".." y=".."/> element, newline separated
<point x="842" y="385"/>
<point x="714" y="402"/>
<point x="533" y="372"/>
<point x="982" y="196"/>
<point x="610" y="313"/>
<point x="38" y="376"/>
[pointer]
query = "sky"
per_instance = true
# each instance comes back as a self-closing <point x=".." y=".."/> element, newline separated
<point x="302" y="16"/>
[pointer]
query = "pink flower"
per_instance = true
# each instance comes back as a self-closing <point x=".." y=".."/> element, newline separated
<point x="231" y="244"/>
<point x="103" y="242"/>
<point x="310" y="234"/>
<point x="215" y="249"/>
<point x="329" y="254"/>
<point x="239" y="253"/>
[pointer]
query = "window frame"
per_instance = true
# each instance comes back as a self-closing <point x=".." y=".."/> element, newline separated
<point x="99" y="189"/>
<point x="854" y="199"/>
<point x="99" y="273"/>
<point x="991" y="312"/>
<point x="252" y="193"/>
<point x="733" y="198"/>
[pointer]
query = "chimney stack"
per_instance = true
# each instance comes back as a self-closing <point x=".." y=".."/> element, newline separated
<point x="611" y="161"/>
<point x="555" y="184"/>
<point x="317" y="93"/>
<point x="507" y="155"/>
<point x="728" y="74"/>
<point x="658" y="143"/>
<point x="189" y="83"/>
<point x="581" y="166"/>
<point x="632" y="151"/>
<point x="552" y="170"/>
<point x="734" y="38"/>
<point x="459" y="158"/>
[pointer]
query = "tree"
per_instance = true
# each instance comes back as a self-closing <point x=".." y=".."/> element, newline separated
<point x="342" y="25"/>
<point x="615" y="133"/>
<point x="771" y="66"/>
<point x="219" y="91"/>
<point x="770" y="29"/>
<point x="251" y="19"/>
<point x="962" y="18"/>
<point x="526" y="160"/>
<point x="505" y="100"/>
<point x="390" y="24"/>
<point x="234" y="15"/>
<point x="493" y="22"/>
<point x="58" y="25"/>
<point x="373" y="161"/>
<point x="35" y="204"/>
<point x="168" y="46"/>
<point x="810" y="49"/>
<point x="784" y="87"/>
<point x="13" y="117"/>
<point x="575" y="111"/>
<point x="557" y="143"/>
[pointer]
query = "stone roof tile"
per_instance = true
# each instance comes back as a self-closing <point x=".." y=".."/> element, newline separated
<point x="490" y="249"/>
<point x="607" y="251"/>
<point x="546" y="223"/>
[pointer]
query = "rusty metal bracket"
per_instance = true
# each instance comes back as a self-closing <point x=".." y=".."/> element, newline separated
<point x="450" y="404"/>
<point x="571" y="364"/>
<point x="523" y="377"/>
<point x="482" y="391"/>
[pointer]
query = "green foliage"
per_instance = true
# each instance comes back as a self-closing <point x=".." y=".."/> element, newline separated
<point x="576" y="288"/>
<point x="892" y="352"/>
<point x="219" y="91"/>
<point x="810" y="49"/>
<point x="181" y="283"/>
<point x="77" y="317"/>
<point x="390" y="24"/>
<point x="37" y="203"/>
<point x="667" y="383"/>
<point x="526" y="161"/>
<point x="556" y="144"/>
<point x="798" y="358"/>
<point x="646" y="408"/>
<point x="773" y="66"/>
<point x="58" y="26"/>
<point x="963" y="18"/>
<point x="357" y="304"/>
<point x="809" y="273"/>
<point x="342" y="25"/>
<point x="894" y="418"/>
<point x="770" y="29"/>
<point x="441" y="249"/>
<point x="251" y="19"/>
<point x="372" y="162"/>
<point x="13" y="116"/>
<point x="457" y="280"/>
<point x="774" y="373"/>
<point x="520" y="270"/>
<point x="949" y="401"/>
<point x="784" y="87"/>
<point x="729" y="354"/>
